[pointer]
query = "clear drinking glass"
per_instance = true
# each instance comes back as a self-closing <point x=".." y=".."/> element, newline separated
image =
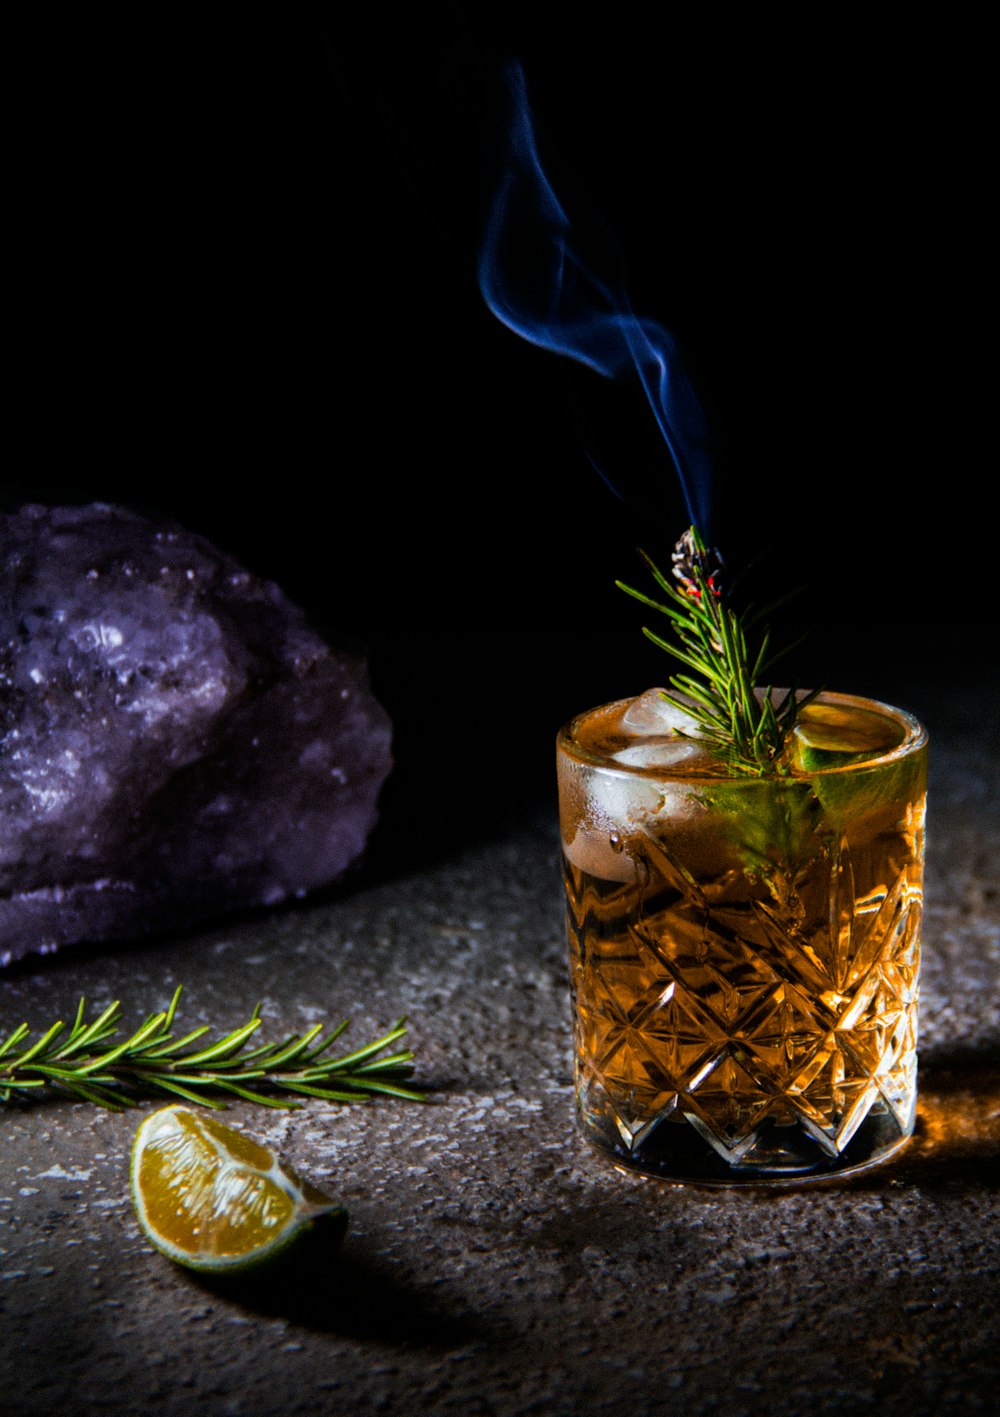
<point x="744" y="951"/>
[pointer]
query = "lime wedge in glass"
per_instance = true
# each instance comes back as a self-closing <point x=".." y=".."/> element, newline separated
<point x="835" y="733"/>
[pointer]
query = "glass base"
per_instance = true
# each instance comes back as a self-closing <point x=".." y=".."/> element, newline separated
<point x="677" y="1148"/>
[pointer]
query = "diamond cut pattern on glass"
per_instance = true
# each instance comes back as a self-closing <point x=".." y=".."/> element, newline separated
<point x="750" y="1020"/>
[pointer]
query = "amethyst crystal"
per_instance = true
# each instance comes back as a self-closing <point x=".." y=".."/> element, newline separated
<point x="175" y="740"/>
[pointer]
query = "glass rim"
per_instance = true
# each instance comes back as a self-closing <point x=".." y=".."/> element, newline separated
<point x="914" y="738"/>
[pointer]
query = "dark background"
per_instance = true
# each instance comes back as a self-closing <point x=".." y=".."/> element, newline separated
<point x="244" y="296"/>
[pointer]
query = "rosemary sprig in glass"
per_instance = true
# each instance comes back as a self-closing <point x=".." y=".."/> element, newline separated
<point x="82" y="1063"/>
<point x="743" y="724"/>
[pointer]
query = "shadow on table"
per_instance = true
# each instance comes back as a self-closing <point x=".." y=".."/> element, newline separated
<point x="957" y="1136"/>
<point x="325" y="1288"/>
<point x="956" y="1140"/>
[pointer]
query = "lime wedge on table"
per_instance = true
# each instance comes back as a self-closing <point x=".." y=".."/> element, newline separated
<point x="212" y="1199"/>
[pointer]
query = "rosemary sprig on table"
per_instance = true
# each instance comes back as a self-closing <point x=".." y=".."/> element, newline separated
<point x="747" y="728"/>
<point x="82" y="1063"/>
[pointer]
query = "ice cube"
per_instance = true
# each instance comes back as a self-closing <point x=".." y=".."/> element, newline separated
<point x="665" y="734"/>
<point x="616" y="805"/>
<point x="651" y="712"/>
<point x="623" y="807"/>
<point x="662" y="753"/>
<point x="602" y="854"/>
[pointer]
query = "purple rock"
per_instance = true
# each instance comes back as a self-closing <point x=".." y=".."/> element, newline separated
<point x="175" y="740"/>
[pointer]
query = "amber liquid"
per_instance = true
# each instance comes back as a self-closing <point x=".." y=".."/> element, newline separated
<point x="745" y="988"/>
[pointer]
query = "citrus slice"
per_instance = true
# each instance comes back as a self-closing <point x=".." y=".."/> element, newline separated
<point x="831" y="735"/>
<point x="212" y="1199"/>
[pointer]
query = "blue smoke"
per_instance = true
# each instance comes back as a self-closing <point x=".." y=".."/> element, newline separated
<point x="536" y="282"/>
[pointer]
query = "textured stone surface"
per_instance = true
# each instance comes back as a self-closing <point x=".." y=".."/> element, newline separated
<point x="496" y="1265"/>
<point x="175" y="739"/>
